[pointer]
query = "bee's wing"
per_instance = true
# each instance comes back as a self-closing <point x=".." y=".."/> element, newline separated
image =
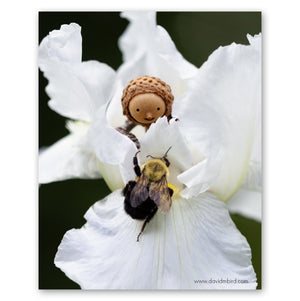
<point x="140" y="192"/>
<point x="160" y="194"/>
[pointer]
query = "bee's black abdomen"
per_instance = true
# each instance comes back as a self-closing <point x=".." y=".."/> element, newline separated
<point x="142" y="211"/>
<point x="127" y="189"/>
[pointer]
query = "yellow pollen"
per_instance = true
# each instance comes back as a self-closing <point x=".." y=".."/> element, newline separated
<point x="176" y="193"/>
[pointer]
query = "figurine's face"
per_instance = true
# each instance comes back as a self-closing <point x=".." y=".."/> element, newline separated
<point x="147" y="108"/>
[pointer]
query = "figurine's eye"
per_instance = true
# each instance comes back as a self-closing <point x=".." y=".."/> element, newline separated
<point x="137" y="110"/>
<point x="158" y="108"/>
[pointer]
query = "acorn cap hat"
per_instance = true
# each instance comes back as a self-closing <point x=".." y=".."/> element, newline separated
<point x="147" y="84"/>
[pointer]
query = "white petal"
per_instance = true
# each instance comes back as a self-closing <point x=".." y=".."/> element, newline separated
<point x="196" y="240"/>
<point x="247" y="203"/>
<point x="114" y="112"/>
<point x="62" y="45"/>
<point x="98" y="80"/>
<point x="218" y="116"/>
<point x="254" y="169"/>
<point x="247" y="200"/>
<point x="163" y="135"/>
<point x="114" y="150"/>
<point x="76" y="89"/>
<point x="110" y="145"/>
<point x="68" y="158"/>
<point x="253" y="178"/>
<point x="255" y="41"/>
<point x="148" y="50"/>
<point x="112" y="176"/>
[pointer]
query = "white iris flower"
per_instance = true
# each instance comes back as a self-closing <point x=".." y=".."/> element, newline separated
<point x="215" y="157"/>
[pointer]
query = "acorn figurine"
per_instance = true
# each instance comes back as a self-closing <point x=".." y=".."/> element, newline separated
<point x="144" y="100"/>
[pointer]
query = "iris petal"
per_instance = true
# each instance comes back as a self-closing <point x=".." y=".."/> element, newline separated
<point x="76" y="89"/>
<point x="196" y="240"/>
<point x="219" y="114"/>
<point x="148" y="50"/>
<point x="70" y="157"/>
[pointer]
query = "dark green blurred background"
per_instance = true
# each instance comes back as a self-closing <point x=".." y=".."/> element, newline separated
<point x="63" y="204"/>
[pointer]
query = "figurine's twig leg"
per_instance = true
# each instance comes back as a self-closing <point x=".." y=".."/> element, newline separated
<point x="125" y="130"/>
<point x="128" y="126"/>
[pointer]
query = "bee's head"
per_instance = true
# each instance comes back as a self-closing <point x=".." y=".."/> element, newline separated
<point x="164" y="158"/>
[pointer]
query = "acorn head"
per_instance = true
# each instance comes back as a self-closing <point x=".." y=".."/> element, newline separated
<point x="145" y="99"/>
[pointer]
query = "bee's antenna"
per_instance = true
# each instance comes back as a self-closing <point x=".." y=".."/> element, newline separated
<point x="165" y="155"/>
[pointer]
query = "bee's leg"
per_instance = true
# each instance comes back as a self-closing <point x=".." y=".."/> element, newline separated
<point x="149" y="217"/>
<point x="171" y="191"/>
<point x="137" y="169"/>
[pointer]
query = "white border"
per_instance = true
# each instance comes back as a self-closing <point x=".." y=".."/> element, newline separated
<point x="19" y="271"/>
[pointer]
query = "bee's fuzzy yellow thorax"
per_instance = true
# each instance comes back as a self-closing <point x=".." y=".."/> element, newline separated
<point x="155" y="169"/>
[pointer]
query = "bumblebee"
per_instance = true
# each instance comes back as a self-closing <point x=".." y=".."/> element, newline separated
<point x="150" y="191"/>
